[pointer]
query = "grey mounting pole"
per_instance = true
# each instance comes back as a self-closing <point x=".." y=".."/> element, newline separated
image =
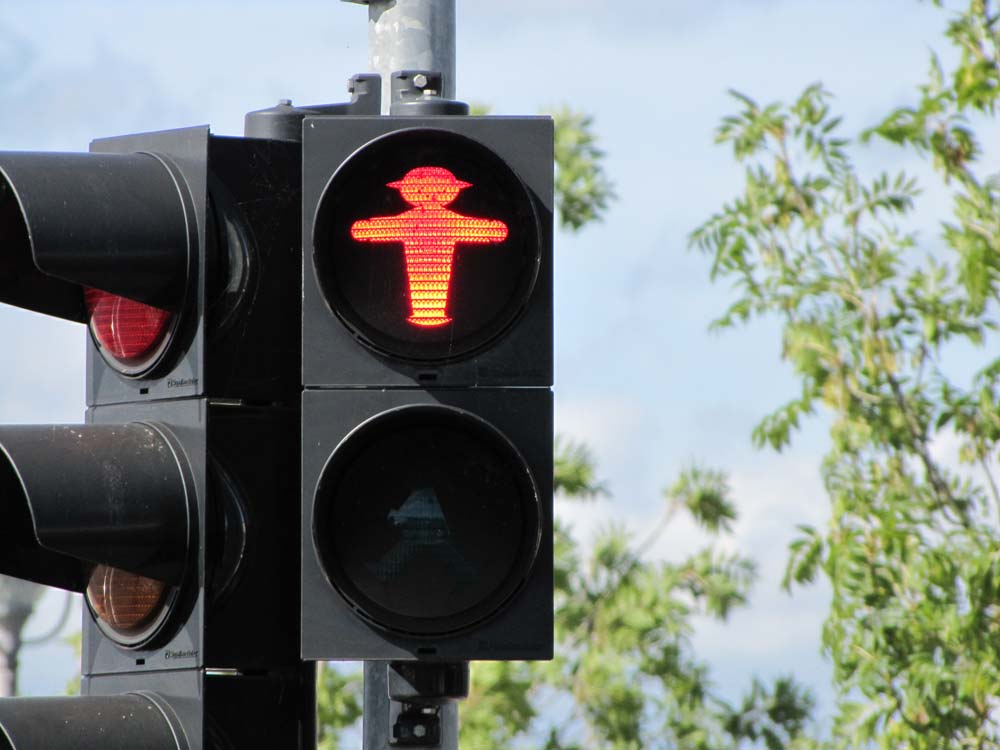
<point x="17" y="602"/>
<point x="413" y="705"/>
<point x="411" y="35"/>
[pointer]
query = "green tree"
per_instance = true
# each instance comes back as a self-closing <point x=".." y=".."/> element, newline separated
<point x="872" y="314"/>
<point x="625" y="675"/>
<point x="338" y="704"/>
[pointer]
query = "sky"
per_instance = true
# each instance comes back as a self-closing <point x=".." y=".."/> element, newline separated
<point x="639" y="377"/>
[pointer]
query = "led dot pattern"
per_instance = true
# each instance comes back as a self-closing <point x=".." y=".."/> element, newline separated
<point x="429" y="233"/>
<point x="127" y="330"/>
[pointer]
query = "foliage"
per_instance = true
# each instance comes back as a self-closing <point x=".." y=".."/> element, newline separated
<point x="583" y="190"/>
<point x="870" y="321"/>
<point x="338" y="703"/>
<point x="625" y="675"/>
<point x="76" y="641"/>
<point x="574" y="470"/>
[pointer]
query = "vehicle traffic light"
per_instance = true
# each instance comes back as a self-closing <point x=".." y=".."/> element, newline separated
<point x="173" y="509"/>
<point x="147" y="240"/>
<point x="427" y="374"/>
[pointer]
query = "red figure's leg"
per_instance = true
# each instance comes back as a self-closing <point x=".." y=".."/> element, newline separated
<point x="428" y="271"/>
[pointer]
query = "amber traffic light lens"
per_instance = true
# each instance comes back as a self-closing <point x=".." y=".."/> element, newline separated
<point x="130" y="605"/>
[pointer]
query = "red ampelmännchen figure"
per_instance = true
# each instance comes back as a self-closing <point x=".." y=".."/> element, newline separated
<point x="429" y="232"/>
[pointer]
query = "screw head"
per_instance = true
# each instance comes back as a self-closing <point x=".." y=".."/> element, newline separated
<point x="419" y="80"/>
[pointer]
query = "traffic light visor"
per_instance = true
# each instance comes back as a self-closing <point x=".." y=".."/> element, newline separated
<point x="121" y="223"/>
<point x="119" y="496"/>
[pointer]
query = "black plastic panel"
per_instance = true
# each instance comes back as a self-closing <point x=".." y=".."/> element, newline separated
<point x="252" y="611"/>
<point x="522" y="627"/>
<point x="342" y="348"/>
<point x="181" y="642"/>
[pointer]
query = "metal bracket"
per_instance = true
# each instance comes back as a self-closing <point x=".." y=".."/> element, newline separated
<point x="283" y="122"/>
<point x="413" y="705"/>
<point x="419" y="93"/>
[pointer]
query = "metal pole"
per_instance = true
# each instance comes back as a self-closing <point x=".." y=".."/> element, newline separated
<point x="10" y="648"/>
<point x="411" y="35"/>
<point x="406" y="35"/>
<point x="413" y="705"/>
<point x="17" y="601"/>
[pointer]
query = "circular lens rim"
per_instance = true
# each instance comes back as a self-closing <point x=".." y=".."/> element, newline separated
<point x="149" y="633"/>
<point x="179" y="599"/>
<point x="359" y="439"/>
<point x="149" y="363"/>
<point x="392" y="347"/>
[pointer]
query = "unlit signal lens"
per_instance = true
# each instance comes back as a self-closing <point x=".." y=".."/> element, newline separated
<point x="127" y="603"/>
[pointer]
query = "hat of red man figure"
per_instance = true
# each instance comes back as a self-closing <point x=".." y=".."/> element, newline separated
<point x="429" y="186"/>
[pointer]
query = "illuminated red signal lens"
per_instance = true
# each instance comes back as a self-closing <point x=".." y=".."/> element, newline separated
<point x="429" y="232"/>
<point x="426" y="245"/>
<point x="127" y="331"/>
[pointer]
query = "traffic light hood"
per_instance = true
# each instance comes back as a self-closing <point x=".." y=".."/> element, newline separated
<point x="119" y="496"/>
<point x="121" y="223"/>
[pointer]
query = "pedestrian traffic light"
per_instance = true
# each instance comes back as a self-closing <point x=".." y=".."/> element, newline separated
<point x="427" y="369"/>
<point x="169" y="508"/>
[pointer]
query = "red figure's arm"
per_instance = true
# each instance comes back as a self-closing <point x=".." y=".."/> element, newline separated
<point x="379" y="229"/>
<point x="478" y="231"/>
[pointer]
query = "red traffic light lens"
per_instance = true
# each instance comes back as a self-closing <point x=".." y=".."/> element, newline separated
<point x="129" y="607"/>
<point x="129" y="334"/>
<point x="426" y="245"/>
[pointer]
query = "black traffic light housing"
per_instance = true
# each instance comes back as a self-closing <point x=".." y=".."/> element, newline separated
<point x="175" y="507"/>
<point x="174" y="499"/>
<point x="203" y="229"/>
<point x="427" y="368"/>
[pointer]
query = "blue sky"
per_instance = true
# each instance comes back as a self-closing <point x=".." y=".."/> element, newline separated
<point x="638" y="376"/>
